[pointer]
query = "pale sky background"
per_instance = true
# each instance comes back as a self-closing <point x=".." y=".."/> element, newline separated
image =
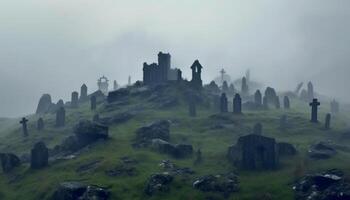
<point x="53" y="46"/>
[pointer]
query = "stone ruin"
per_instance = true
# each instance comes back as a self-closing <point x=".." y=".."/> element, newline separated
<point x="102" y="84"/>
<point x="154" y="74"/>
<point x="254" y="152"/>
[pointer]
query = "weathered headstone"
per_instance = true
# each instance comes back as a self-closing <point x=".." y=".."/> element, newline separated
<point x="258" y="98"/>
<point x="237" y="104"/>
<point x="39" y="156"/>
<point x="60" y="117"/>
<point x="310" y="91"/>
<point x="83" y="92"/>
<point x="334" y="107"/>
<point x="74" y="100"/>
<point x="257" y="130"/>
<point x="277" y="102"/>
<point x="40" y="124"/>
<point x="245" y="88"/>
<point x="265" y="103"/>
<point x="314" y="107"/>
<point x="328" y="121"/>
<point x="270" y="95"/>
<point x="24" y="126"/>
<point x="286" y="102"/>
<point x="93" y="102"/>
<point x="192" y="108"/>
<point x="223" y="103"/>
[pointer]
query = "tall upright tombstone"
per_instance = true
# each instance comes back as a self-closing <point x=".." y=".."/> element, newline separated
<point x="74" y="99"/>
<point x="24" y="126"/>
<point x="60" y="117"/>
<point x="327" y="124"/>
<point x="39" y="156"/>
<point x="40" y="124"/>
<point x="83" y="92"/>
<point x="93" y="102"/>
<point x="258" y="98"/>
<point x="286" y="102"/>
<point x="310" y="91"/>
<point x="223" y="103"/>
<point x="237" y="104"/>
<point x="314" y="109"/>
<point x="245" y="88"/>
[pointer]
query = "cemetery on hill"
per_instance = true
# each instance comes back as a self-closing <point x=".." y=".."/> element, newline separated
<point x="168" y="136"/>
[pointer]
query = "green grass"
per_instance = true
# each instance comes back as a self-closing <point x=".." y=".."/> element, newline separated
<point x="24" y="183"/>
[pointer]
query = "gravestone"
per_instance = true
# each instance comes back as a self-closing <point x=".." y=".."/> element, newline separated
<point x="223" y="103"/>
<point x="83" y="92"/>
<point x="40" y="124"/>
<point x="24" y="126"/>
<point x="93" y="102"/>
<point x="60" y="103"/>
<point x="258" y="98"/>
<point x="334" y="107"/>
<point x="245" y="88"/>
<point x="60" y="117"/>
<point x="257" y="130"/>
<point x="286" y="102"/>
<point x="283" y="122"/>
<point x="328" y="121"/>
<point x="265" y="103"/>
<point x="39" y="156"/>
<point x="237" y="104"/>
<point x="192" y="108"/>
<point x="310" y="91"/>
<point x="74" y="100"/>
<point x="314" y="107"/>
<point x="270" y="95"/>
<point x="277" y="102"/>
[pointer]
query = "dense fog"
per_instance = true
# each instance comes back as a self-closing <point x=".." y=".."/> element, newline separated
<point x="56" y="46"/>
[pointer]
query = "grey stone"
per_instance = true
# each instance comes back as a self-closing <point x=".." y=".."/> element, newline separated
<point x="39" y="156"/>
<point x="60" y="117"/>
<point x="44" y="104"/>
<point x="9" y="161"/>
<point x="80" y="191"/>
<point x="158" y="183"/>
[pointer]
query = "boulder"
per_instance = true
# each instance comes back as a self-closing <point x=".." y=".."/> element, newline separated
<point x="158" y="183"/>
<point x="88" y="132"/>
<point x="328" y="185"/>
<point x="80" y="191"/>
<point x="39" y="156"/>
<point x="222" y="183"/>
<point x="286" y="149"/>
<point x="321" y="150"/>
<point x="156" y="130"/>
<point x="9" y="161"/>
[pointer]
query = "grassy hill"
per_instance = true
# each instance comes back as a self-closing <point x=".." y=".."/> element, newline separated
<point x="24" y="183"/>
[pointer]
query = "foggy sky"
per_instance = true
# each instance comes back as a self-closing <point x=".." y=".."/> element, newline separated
<point x="55" y="46"/>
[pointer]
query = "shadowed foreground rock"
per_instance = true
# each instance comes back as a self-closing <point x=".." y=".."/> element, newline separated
<point x="328" y="185"/>
<point x="9" y="161"/>
<point x="158" y="182"/>
<point x="222" y="183"/>
<point x="80" y="191"/>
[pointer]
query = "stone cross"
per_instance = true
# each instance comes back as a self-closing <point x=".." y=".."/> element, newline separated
<point x="328" y="121"/>
<point x="24" y="126"/>
<point x="223" y="103"/>
<point x="237" y="104"/>
<point x="314" y="105"/>
<point x="93" y="102"/>
<point x="40" y="124"/>
<point x="222" y="72"/>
